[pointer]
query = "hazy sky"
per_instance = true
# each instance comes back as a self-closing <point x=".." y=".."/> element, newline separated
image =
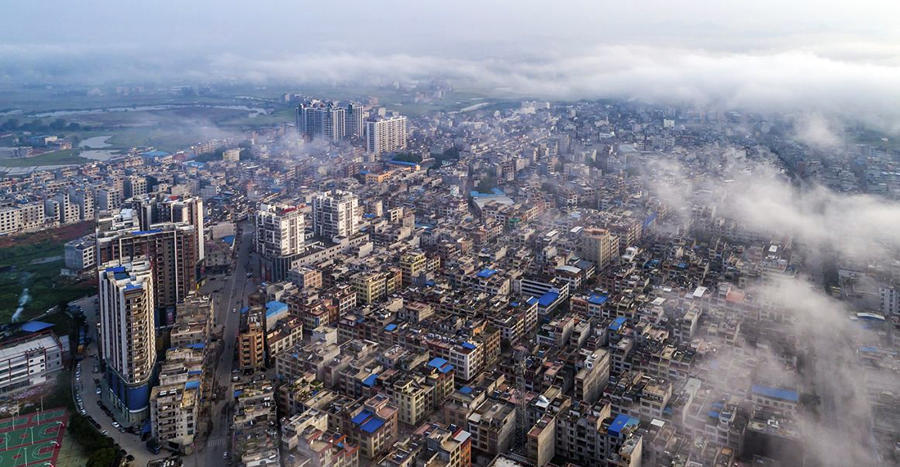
<point x="810" y="56"/>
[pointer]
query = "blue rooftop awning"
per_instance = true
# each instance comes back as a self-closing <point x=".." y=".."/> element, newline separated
<point x="372" y="425"/>
<point x="775" y="393"/>
<point x="370" y="380"/>
<point x="361" y="417"/>
<point x="35" y="326"/>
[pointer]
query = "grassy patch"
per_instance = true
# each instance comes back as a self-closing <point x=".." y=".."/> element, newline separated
<point x="64" y="157"/>
<point x="21" y="266"/>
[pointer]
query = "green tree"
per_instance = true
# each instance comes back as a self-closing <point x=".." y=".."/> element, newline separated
<point x="407" y="157"/>
<point x="105" y="457"/>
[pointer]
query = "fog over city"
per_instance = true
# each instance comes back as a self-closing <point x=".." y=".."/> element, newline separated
<point x="408" y="232"/>
<point x="840" y="59"/>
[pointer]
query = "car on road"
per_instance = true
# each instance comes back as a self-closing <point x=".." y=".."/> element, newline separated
<point x="98" y="391"/>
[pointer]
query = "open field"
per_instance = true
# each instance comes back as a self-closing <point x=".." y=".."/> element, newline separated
<point x="64" y="157"/>
<point x="34" y="261"/>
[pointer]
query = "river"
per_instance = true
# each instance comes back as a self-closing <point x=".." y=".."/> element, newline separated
<point x="92" y="148"/>
<point x="143" y="108"/>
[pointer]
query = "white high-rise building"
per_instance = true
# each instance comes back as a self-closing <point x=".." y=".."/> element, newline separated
<point x="335" y="214"/>
<point x="127" y="337"/>
<point x="386" y="134"/>
<point x="355" y="116"/>
<point x="279" y="230"/>
<point x="317" y="119"/>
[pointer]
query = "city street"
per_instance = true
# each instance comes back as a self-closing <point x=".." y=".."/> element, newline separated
<point x="87" y="388"/>
<point x="233" y="294"/>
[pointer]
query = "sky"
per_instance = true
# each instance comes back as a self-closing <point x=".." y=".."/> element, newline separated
<point x="832" y="58"/>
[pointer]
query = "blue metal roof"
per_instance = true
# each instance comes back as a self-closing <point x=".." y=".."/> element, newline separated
<point x="617" y="323"/>
<point x="370" y="380"/>
<point x="361" y="417"/>
<point x="198" y="346"/>
<point x="238" y="392"/>
<point x="620" y="423"/>
<point x="35" y="326"/>
<point x="597" y="299"/>
<point x="192" y="385"/>
<point x="372" y="425"/>
<point x="486" y="273"/>
<point x="229" y="239"/>
<point x="275" y="307"/>
<point x="465" y="390"/>
<point x="468" y="345"/>
<point x="390" y="327"/>
<point x="548" y="298"/>
<point x="437" y="362"/>
<point x="531" y="300"/>
<point x="775" y="393"/>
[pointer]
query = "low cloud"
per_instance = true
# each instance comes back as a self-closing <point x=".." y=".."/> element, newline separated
<point x="787" y="81"/>
<point x="824" y="83"/>
<point x="823" y="334"/>
<point x="816" y="131"/>
<point x="858" y="227"/>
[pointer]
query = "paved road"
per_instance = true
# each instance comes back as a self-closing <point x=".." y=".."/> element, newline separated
<point x="86" y="387"/>
<point x="234" y="293"/>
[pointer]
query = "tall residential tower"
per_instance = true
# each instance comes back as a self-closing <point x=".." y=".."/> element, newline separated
<point x="386" y="134"/>
<point x="335" y="214"/>
<point x="127" y="338"/>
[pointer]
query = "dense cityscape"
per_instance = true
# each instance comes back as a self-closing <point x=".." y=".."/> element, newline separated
<point x="597" y="283"/>
<point x="449" y="234"/>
